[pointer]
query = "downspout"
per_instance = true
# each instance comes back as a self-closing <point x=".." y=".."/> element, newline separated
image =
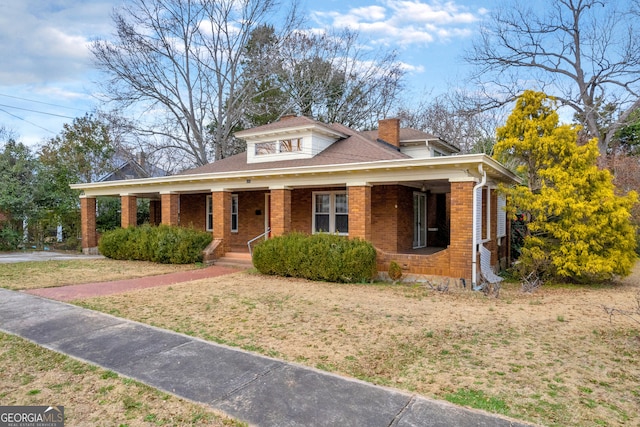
<point x="474" y="252"/>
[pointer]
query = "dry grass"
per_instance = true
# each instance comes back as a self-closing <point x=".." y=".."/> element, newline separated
<point x="32" y="375"/>
<point x="553" y="357"/>
<point x="47" y="274"/>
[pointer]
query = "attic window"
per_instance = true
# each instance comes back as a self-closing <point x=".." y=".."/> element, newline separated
<point x="280" y="146"/>
<point x="290" y="145"/>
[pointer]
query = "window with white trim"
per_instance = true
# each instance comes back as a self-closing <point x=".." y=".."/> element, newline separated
<point x="280" y="146"/>
<point x="234" y="213"/>
<point x="488" y="213"/>
<point x="331" y="212"/>
<point x="502" y="216"/>
<point x="209" y="218"/>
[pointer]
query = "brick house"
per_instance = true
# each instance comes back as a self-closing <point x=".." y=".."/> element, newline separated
<point x="409" y="193"/>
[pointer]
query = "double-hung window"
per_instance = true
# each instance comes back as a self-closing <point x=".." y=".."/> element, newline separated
<point x="331" y="212"/>
<point x="234" y="213"/>
<point x="209" y="218"/>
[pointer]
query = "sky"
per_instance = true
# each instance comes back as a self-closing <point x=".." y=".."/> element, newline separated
<point x="47" y="77"/>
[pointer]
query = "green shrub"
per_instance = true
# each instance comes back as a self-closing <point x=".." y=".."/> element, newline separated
<point x="10" y="239"/>
<point x="162" y="244"/>
<point x="395" y="271"/>
<point x="324" y="257"/>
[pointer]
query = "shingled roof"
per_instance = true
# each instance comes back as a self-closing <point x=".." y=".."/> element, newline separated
<point x="354" y="148"/>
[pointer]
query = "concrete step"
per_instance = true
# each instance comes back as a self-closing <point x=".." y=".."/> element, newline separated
<point x="236" y="260"/>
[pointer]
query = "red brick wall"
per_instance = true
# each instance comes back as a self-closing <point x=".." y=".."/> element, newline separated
<point x="251" y="215"/>
<point x="384" y="210"/>
<point x="129" y="211"/>
<point x="389" y="131"/>
<point x="155" y="212"/>
<point x="436" y="264"/>
<point x="302" y="210"/>
<point x="360" y="212"/>
<point x="405" y="218"/>
<point x="280" y="212"/>
<point x="392" y="217"/>
<point x="88" y="222"/>
<point x="170" y="205"/>
<point x="222" y="218"/>
<point x="193" y="211"/>
<point x="460" y="248"/>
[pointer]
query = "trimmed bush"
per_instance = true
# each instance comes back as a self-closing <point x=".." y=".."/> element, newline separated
<point x="325" y="257"/>
<point x="163" y="244"/>
<point x="395" y="271"/>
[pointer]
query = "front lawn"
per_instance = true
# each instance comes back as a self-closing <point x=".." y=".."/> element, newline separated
<point x="553" y="357"/>
<point x="32" y="375"/>
<point x="47" y="274"/>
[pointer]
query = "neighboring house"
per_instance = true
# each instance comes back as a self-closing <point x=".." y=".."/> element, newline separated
<point x="125" y="166"/>
<point x="407" y="192"/>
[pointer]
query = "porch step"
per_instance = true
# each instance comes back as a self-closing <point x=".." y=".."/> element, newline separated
<point x="236" y="260"/>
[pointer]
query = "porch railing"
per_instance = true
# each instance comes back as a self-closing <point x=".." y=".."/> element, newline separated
<point x="256" y="238"/>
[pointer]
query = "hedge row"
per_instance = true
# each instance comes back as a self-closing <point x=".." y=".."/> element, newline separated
<point x="324" y="257"/>
<point x="163" y="244"/>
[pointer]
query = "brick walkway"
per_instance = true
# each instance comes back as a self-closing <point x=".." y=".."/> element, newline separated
<point x="90" y="290"/>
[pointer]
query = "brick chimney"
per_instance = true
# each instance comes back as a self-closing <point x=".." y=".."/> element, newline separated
<point x="389" y="131"/>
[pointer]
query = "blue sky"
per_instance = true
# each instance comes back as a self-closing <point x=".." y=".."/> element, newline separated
<point x="46" y="65"/>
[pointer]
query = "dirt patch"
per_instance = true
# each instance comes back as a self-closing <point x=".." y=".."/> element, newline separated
<point x="553" y="357"/>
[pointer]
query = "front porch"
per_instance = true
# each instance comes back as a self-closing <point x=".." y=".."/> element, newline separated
<point x="424" y="226"/>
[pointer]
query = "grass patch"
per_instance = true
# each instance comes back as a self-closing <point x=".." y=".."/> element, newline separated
<point x="89" y="394"/>
<point x="48" y="274"/>
<point x="479" y="400"/>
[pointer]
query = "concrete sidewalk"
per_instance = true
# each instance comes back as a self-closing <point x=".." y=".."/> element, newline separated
<point x="249" y="387"/>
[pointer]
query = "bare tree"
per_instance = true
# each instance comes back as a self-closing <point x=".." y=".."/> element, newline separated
<point x="450" y="118"/>
<point x="585" y="53"/>
<point x="332" y="78"/>
<point x="177" y="63"/>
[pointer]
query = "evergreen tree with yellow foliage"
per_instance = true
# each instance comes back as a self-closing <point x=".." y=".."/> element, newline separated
<point x="579" y="229"/>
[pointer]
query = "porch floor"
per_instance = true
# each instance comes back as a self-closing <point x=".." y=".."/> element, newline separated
<point x="429" y="250"/>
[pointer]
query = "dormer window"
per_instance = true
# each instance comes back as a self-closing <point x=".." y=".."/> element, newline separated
<point x="281" y="146"/>
<point x="294" y="138"/>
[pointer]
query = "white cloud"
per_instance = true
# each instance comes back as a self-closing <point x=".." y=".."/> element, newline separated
<point x="407" y="22"/>
<point x="41" y="42"/>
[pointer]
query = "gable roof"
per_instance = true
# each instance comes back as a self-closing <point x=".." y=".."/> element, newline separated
<point x="352" y="148"/>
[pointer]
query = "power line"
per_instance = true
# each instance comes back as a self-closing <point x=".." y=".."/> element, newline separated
<point x="35" y="111"/>
<point x="40" y="102"/>
<point x="25" y="120"/>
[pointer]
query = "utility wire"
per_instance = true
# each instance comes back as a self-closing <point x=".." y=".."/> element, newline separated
<point x="40" y="102"/>
<point x="35" y="111"/>
<point x="25" y="120"/>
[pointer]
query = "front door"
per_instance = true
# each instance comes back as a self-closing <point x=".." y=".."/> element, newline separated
<point x="419" y="220"/>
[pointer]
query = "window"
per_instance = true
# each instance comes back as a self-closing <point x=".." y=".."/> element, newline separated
<point x="234" y="213"/>
<point x="502" y="216"/>
<point x="281" y="146"/>
<point x="331" y="212"/>
<point x="263" y="148"/>
<point x="290" y="145"/>
<point x="209" y="218"/>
